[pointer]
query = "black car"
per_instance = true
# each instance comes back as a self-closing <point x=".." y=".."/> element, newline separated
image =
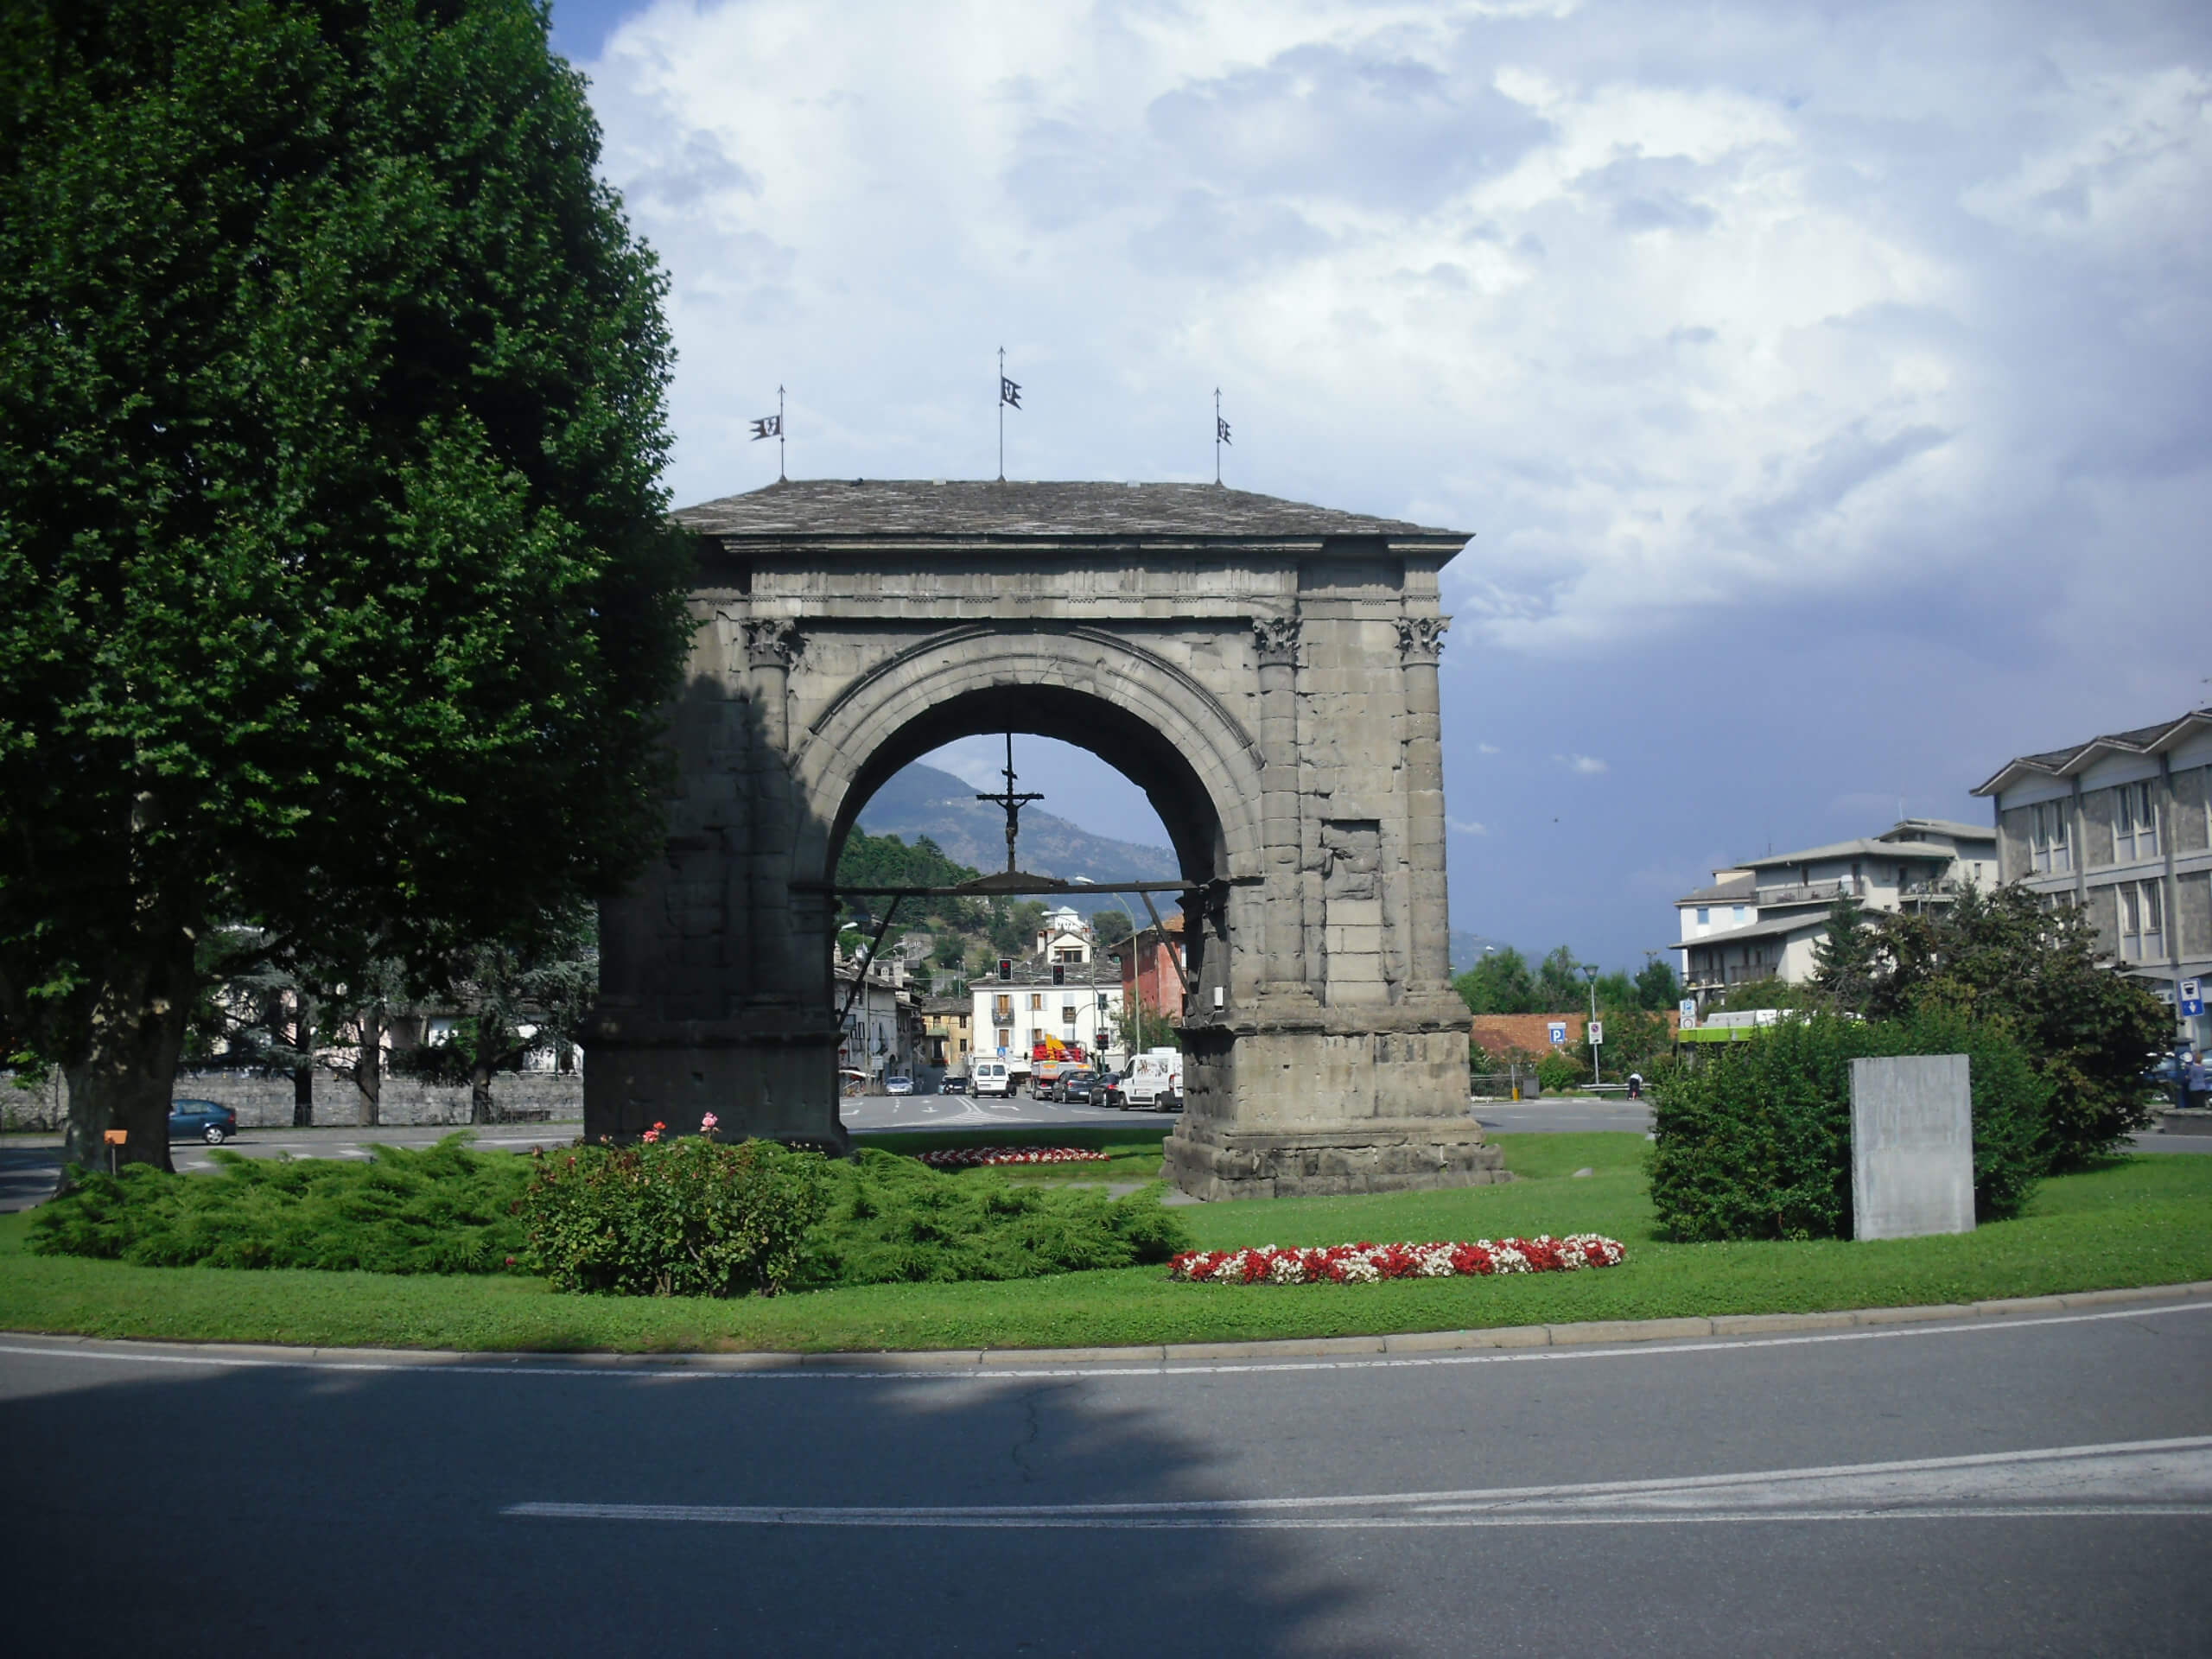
<point x="1075" y="1088"/>
<point x="952" y="1085"/>
<point x="201" y="1120"/>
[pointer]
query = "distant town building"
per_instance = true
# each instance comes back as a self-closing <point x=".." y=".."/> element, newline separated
<point x="1152" y="967"/>
<point x="1762" y="918"/>
<point x="882" y="1020"/>
<point x="1013" y="1018"/>
<point x="948" y="1032"/>
<point x="2121" y="826"/>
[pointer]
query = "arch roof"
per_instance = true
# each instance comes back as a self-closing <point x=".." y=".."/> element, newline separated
<point x="906" y="510"/>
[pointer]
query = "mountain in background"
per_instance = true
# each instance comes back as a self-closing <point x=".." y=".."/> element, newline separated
<point x="923" y="801"/>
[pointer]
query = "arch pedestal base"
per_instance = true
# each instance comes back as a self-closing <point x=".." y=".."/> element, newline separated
<point x="758" y="1084"/>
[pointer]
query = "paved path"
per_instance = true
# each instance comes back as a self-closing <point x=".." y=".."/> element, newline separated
<point x="2038" y="1484"/>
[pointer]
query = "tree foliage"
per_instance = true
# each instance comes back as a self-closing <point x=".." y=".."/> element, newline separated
<point x="1499" y="983"/>
<point x="337" y="596"/>
<point x="2001" y="958"/>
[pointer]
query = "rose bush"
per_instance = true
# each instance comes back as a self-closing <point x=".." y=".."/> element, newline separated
<point x="1362" y="1264"/>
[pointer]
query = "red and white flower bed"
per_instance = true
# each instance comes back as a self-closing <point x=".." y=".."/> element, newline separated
<point x="971" y="1157"/>
<point x="1364" y="1264"/>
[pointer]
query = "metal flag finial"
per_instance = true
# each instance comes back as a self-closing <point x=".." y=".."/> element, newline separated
<point x="1009" y="394"/>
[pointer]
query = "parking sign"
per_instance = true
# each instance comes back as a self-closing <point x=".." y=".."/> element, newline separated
<point x="1559" y="1031"/>
<point x="2192" y="999"/>
<point x="1597" y="1033"/>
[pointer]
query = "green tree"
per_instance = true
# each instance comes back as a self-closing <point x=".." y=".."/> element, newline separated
<point x="1656" y="987"/>
<point x="509" y="1001"/>
<point x="1499" y="983"/>
<point x="1560" y="987"/>
<point x="1847" y="961"/>
<point x="337" y="593"/>
<point x="1111" y="928"/>
<point x="2001" y="957"/>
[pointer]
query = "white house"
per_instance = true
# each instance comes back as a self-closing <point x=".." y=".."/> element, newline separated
<point x="2121" y="825"/>
<point x="1762" y="917"/>
<point x="1082" y="1006"/>
<point x="882" y="1018"/>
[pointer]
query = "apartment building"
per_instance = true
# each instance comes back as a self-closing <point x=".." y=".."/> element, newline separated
<point x="2121" y="825"/>
<point x="1762" y="918"/>
<point x="1065" y="990"/>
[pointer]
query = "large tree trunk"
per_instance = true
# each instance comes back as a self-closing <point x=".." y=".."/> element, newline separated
<point x="479" y="1088"/>
<point x="303" y="1073"/>
<point x="368" y="1069"/>
<point x="130" y="1069"/>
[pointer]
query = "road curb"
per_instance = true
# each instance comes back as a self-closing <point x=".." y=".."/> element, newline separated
<point x="983" y="1361"/>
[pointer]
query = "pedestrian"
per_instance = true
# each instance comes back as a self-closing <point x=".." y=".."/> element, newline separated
<point x="1636" y="1085"/>
<point x="2195" y="1082"/>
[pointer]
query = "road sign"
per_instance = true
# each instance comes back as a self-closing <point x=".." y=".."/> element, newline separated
<point x="1687" y="1009"/>
<point x="2192" y="999"/>
<point x="1597" y="1033"/>
<point x="1559" y="1031"/>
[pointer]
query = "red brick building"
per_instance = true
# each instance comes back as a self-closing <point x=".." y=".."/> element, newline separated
<point x="1152" y="963"/>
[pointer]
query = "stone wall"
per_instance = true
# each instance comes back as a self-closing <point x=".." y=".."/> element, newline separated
<point x="266" y="1102"/>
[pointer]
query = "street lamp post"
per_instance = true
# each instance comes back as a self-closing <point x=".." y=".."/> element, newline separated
<point x="1590" y="973"/>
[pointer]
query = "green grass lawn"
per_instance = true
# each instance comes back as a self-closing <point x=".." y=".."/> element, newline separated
<point x="2137" y="1220"/>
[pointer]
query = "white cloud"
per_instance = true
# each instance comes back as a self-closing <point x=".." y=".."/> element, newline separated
<point x="1488" y="748"/>
<point x="1689" y="313"/>
<point x="1588" y="766"/>
<point x="1467" y="827"/>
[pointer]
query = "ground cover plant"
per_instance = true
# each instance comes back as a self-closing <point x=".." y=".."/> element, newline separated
<point x="684" y="1215"/>
<point x="442" y="1209"/>
<point x="2137" y="1220"/>
<point x="1754" y="1140"/>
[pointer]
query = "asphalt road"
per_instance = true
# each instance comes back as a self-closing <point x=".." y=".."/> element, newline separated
<point x="2036" y="1484"/>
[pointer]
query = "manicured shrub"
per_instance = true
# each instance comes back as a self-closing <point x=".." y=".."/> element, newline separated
<point x="443" y="1209"/>
<point x="893" y="1220"/>
<point x="1755" y="1141"/>
<point x="686" y="1217"/>
<point x="1558" y="1071"/>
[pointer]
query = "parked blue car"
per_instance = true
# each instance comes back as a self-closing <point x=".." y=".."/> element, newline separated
<point x="201" y="1120"/>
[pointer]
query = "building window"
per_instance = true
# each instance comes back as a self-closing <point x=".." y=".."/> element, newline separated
<point x="2049" y="851"/>
<point x="1737" y="913"/>
<point x="1002" y="1010"/>
<point x="2134" y="824"/>
<point x="2142" y="921"/>
<point x="1067" y="1015"/>
<point x="1704" y="915"/>
<point x="1036" y="1001"/>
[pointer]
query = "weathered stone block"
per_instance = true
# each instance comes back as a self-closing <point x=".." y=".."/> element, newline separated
<point x="1911" y="1147"/>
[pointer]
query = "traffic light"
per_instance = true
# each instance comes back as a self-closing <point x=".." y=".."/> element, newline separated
<point x="1006" y="967"/>
<point x="1059" y="973"/>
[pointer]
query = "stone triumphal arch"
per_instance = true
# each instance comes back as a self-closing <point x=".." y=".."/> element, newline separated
<point x="1266" y="670"/>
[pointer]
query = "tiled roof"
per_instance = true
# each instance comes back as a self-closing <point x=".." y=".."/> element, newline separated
<point x="904" y="510"/>
<point x="2062" y="763"/>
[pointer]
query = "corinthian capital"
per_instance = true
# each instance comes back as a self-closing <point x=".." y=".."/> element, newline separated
<point x="1276" y="637"/>
<point x="769" y="642"/>
<point x="1420" y="638"/>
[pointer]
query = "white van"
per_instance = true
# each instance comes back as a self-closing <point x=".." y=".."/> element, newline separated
<point x="1155" y="1081"/>
<point x="992" y="1078"/>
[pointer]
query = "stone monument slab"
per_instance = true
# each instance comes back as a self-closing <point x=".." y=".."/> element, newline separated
<point x="1911" y="1147"/>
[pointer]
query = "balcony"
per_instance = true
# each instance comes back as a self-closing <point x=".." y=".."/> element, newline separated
<point x="1810" y="893"/>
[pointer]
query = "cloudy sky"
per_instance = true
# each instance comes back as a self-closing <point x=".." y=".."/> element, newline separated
<point x="1825" y="387"/>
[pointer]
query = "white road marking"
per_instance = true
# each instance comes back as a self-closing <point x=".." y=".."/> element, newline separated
<point x="117" y="1352"/>
<point x="2139" y="1478"/>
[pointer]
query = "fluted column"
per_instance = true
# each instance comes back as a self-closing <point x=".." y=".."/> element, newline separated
<point x="1276" y="641"/>
<point x="1420" y="642"/>
<point x="772" y="645"/>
